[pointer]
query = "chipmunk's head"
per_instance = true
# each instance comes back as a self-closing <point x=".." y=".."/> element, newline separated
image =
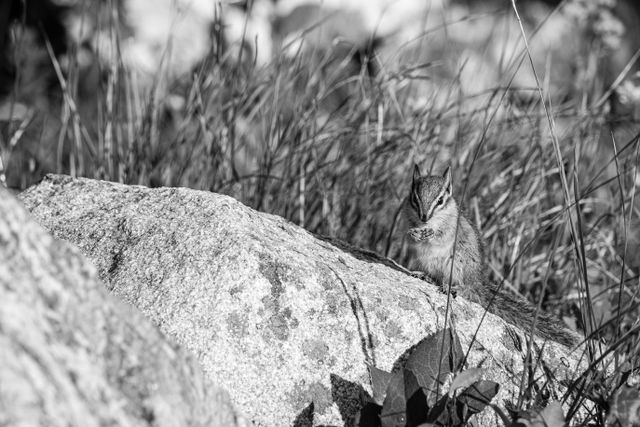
<point x="430" y="199"/>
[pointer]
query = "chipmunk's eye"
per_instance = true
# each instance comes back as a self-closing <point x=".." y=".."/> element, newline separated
<point x="440" y="201"/>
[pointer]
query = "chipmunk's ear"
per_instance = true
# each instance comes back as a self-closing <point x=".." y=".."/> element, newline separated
<point x="447" y="179"/>
<point x="416" y="172"/>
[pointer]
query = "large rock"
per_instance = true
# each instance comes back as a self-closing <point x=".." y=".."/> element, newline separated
<point x="280" y="318"/>
<point x="72" y="355"/>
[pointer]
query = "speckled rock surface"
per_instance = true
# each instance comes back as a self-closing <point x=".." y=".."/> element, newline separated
<point x="72" y="355"/>
<point x="277" y="316"/>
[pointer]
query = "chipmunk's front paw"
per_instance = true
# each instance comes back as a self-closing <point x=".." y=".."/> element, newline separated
<point x="420" y="234"/>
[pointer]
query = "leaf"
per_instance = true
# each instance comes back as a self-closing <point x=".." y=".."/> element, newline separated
<point x="394" y="406"/>
<point x="369" y="415"/>
<point x="441" y="413"/>
<point x="478" y="396"/>
<point x="457" y="411"/>
<point x="441" y="350"/>
<point x="465" y="379"/>
<point x="402" y="387"/>
<point x="625" y="407"/>
<point x="411" y="385"/>
<point x="417" y="408"/>
<point x="379" y="383"/>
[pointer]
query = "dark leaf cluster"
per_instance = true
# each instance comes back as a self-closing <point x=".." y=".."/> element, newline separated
<point x="414" y="395"/>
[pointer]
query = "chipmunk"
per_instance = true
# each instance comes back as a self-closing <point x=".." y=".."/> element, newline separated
<point x="433" y="215"/>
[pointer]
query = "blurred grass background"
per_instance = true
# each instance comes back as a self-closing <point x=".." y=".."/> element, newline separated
<point x="322" y="124"/>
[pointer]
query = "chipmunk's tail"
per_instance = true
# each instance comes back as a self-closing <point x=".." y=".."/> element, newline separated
<point x="521" y="313"/>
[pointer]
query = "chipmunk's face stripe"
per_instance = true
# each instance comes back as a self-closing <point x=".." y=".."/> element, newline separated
<point x="415" y="201"/>
<point x="438" y="202"/>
